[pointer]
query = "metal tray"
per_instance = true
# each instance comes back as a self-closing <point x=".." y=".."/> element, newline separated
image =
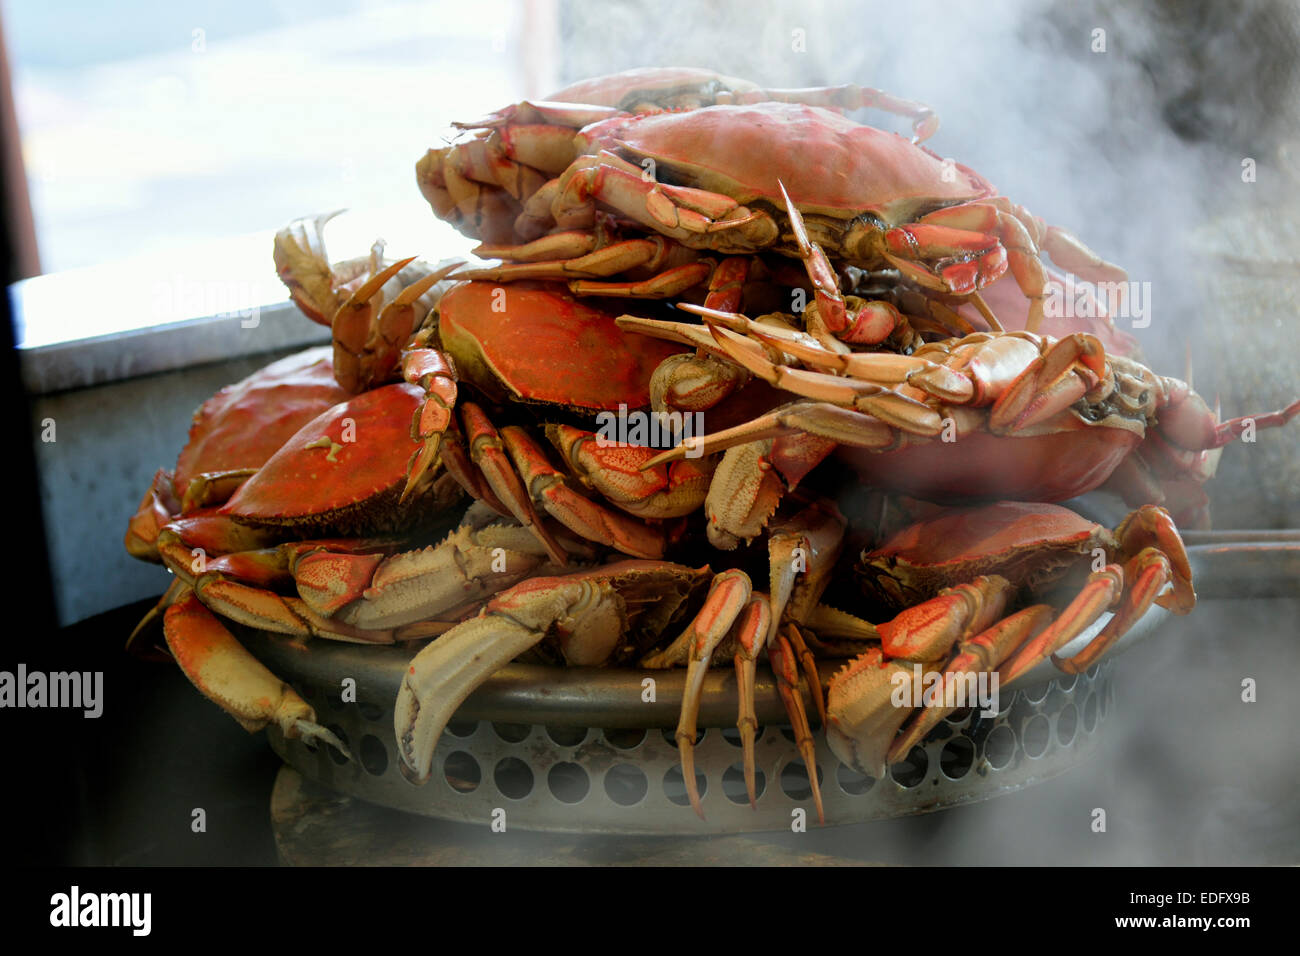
<point x="579" y="750"/>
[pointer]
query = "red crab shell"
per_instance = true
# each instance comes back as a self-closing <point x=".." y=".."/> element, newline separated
<point x="830" y="165"/>
<point x="244" y="424"/>
<point x="350" y="481"/>
<point x="536" y="342"/>
<point x="236" y="430"/>
<point x="1053" y="466"/>
<point x="1028" y="544"/>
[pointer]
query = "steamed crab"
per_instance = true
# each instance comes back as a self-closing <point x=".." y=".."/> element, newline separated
<point x="648" y="185"/>
<point x="956" y="578"/>
<point x="957" y="575"/>
<point x="232" y="435"/>
<point x="324" y="537"/>
<point x="481" y="181"/>
<point x="720" y="179"/>
<point x="983" y="416"/>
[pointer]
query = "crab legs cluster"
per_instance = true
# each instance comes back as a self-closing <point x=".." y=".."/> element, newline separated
<point x="314" y="499"/>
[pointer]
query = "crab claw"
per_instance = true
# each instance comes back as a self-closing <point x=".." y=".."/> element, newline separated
<point x="443" y="674"/>
<point x="353" y="321"/>
<point x="368" y="340"/>
<point x="862" y="721"/>
<point x="587" y="612"/>
<point x="234" y="679"/>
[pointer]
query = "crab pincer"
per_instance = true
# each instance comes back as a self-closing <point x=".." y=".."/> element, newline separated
<point x="587" y="617"/>
<point x="225" y="672"/>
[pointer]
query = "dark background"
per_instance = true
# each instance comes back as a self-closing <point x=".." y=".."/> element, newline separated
<point x="1194" y="776"/>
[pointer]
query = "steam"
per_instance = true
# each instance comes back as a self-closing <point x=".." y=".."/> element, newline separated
<point x="1133" y="138"/>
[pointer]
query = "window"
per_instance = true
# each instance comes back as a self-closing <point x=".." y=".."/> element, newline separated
<point x="173" y="138"/>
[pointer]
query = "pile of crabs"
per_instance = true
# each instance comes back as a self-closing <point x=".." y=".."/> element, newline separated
<point x="888" y="410"/>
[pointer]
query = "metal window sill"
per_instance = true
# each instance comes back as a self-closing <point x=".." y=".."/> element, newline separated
<point x="91" y="326"/>
<point x="178" y="307"/>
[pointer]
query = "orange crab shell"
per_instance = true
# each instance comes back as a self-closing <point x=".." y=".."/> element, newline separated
<point x="535" y="342"/>
<point x="829" y="164"/>
<point x="244" y="424"/>
<point x="344" y="469"/>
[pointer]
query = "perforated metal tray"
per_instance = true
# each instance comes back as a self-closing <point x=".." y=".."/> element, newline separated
<point x="579" y="750"/>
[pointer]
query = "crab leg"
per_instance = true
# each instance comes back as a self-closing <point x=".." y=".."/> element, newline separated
<point x="1159" y="560"/>
<point x="614" y="469"/>
<point x="694" y="217"/>
<point x="729" y="595"/>
<point x="489" y="454"/>
<point x="1099" y="594"/>
<point x="589" y="519"/>
<point x="727" y="283"/>
<point x="1149" y="572"/>
<point x="368" y="338"/>
<point x="751" y="632"/>
<point x="863" y="719"/>
<point x="925" y="122"/>
<point x="895" y="407"/>
<point x="802" y="553"/>
<point x="656" y="254"/>
<point x="1069" y="252"/>
<point x="664" y="285"/>
<point x="882" y="368"/>
<point x="456" y="460"/>
<point x="155" y="513"/>
<point x="429" y="370"/>
<point x="830" y="320"/>
<point x="781" y="655"/>
<point x="799" y="648"/>
<point x="983" y="653"/>
<point x="823" y="419"/>
<point x="558" y="245"/>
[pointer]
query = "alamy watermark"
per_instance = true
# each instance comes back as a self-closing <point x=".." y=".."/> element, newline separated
<point x="1077" y="299"/>
<point x="183" y="296"/>
<point x="76" y="908"/>
<point x="923" y="688"/>
<point x="651" y="429"/>
<point x="81" y="690"/>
